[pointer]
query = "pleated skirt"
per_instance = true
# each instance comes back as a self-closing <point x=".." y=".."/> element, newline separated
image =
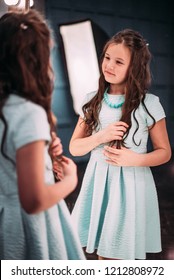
<point x="117" y="210"/>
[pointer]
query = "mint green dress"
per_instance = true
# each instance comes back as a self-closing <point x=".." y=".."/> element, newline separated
<point x="48" y="235"/>
<point x="117" y="210"/>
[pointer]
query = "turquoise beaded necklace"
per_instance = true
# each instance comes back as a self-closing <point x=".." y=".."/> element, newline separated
<point x="109" y="103"/>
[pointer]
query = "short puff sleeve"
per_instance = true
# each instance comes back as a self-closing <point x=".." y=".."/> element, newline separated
<point x="155" y="108"/>
<point x="85" y="100"/>
<point x="32" y="125"/>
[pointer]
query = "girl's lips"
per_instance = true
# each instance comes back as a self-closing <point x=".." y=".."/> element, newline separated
<point x="109" y="73"/>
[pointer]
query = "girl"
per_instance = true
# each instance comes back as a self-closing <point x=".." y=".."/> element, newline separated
<point x="117" y="209"/>
<point x="33" y="225"/>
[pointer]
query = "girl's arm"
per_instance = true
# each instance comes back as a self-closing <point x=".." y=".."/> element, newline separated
<point x="80" y="144"/>
<point x="35" y="195"/>
<point x="161" y="150"/>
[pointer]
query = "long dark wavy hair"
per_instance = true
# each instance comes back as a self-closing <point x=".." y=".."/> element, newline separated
<point x="137" y="83"/>
<point x="25" y="62"/>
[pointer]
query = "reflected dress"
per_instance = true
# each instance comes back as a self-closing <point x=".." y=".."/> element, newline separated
<point x="117" y="210"/>
<point x="48" y="234"/>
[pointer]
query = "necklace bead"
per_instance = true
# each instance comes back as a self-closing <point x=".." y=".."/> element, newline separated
<point x="110" y="104"/>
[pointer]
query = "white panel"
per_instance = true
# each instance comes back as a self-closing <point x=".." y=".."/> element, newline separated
<point x="81" y="58"/>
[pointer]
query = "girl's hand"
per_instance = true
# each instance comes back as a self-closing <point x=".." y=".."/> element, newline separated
<point x="56" y="148"/>
<point x="114" y="131"/>
<point x="121" y="157"/>
<point x="65" y="168"/>
<point x="69" y="169"/>
<point x="58" y="170"/>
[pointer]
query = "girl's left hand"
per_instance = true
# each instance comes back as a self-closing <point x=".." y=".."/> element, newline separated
<point x="58" y="170"/>
<point x="56" y="148"/>
<point x="121" y="157"/>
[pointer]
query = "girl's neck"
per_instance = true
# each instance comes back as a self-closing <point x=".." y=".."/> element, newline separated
<point x="116" y="90"/>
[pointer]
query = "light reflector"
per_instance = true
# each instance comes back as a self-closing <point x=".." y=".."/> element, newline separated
<point x="81" y="60"/>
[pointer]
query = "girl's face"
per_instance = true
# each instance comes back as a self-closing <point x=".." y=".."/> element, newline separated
<point x="115" y="65"/>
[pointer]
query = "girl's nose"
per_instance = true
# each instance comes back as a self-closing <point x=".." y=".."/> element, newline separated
<point x="110" y="66"/>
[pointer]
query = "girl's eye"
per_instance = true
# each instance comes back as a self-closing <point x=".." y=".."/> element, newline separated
<point x="107" y="57"/>
<point x="119" y="62"/>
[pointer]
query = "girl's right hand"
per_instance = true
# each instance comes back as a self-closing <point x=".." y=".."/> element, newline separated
<point x="114" y="131"/>
<point x="66" y="168"/>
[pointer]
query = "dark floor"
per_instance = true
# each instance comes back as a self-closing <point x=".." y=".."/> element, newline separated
<point x="164" y="178"/>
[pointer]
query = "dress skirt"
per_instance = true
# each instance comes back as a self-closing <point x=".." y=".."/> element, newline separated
<point x="117" y="210"/>
<point x="43" y="236"/>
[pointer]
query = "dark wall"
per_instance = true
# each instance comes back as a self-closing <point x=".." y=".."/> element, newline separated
<point x="153" y="19"/>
